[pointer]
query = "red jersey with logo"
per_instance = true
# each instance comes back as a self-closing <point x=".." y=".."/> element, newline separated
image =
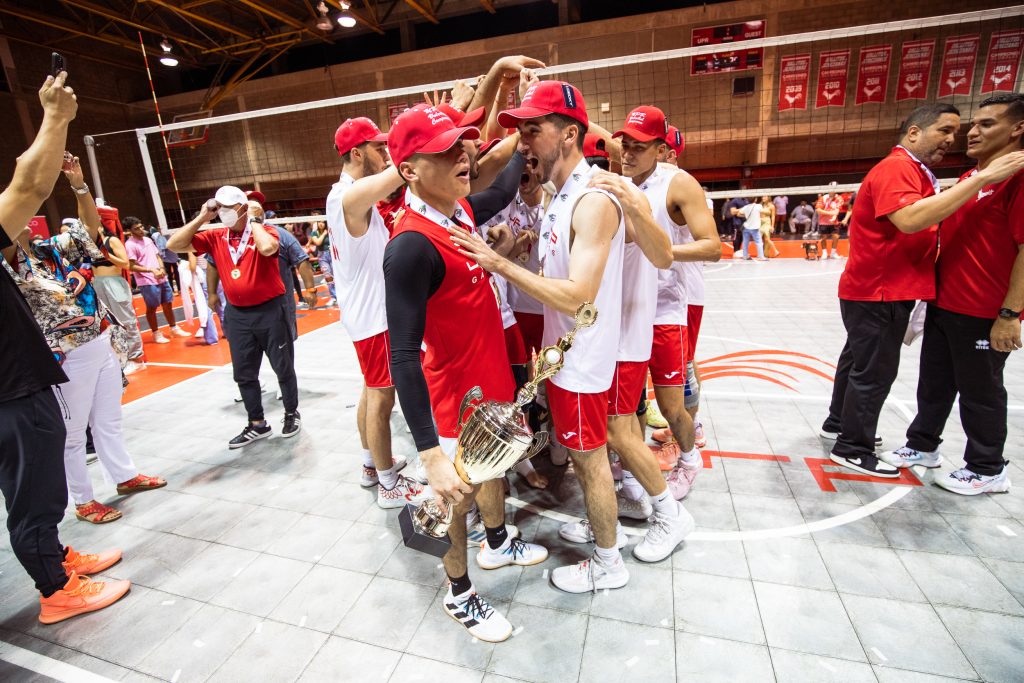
<point x="464" y="335"/>
<point x="259" y="276"/>
<point x="980" y="243"/>
<point x="886" y="264"/>
<point x="390" y="209"/>
<point x="830" y="204"/>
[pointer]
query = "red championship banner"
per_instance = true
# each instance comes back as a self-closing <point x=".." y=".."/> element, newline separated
<point x="915" y="70"/>
<point x="873" y="74"/>
<point x="1003" y="61"/>
<point x="395" y="109"/>
<point x="958" y="60"/>
<point x="833" y="68"/>
<point x="794" y="75"/>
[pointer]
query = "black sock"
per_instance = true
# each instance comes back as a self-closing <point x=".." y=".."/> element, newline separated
<point x="461" y="584"/>
<point x="496" y="536"/>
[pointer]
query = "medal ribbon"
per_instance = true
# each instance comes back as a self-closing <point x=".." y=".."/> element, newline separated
<point x="236" y="252"/>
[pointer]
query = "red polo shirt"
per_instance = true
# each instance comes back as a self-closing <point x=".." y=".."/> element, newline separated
<point x="980" y="242"/>
<point x="886" y="264"/>
<point x="259" y="277"/>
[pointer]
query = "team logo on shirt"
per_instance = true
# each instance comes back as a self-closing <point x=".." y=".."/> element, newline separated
<point x="982" y="345"/>
<point x="563" y="197"/>
<point x="576" y="176"/>
<point x="982" y="194"/>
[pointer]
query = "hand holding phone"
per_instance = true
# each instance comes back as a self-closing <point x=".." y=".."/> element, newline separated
<point x="57" y="64"/>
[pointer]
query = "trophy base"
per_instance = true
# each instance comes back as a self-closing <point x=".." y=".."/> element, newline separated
<point x="416" y="538"/>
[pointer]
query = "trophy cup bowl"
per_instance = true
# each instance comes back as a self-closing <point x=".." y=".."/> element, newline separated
<point x="492" y="440"/>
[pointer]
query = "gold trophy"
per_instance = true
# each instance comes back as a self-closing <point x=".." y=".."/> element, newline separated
<point x="492" y="440"/>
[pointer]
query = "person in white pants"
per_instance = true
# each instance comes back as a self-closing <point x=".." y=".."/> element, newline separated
<point x="191" y="288"/>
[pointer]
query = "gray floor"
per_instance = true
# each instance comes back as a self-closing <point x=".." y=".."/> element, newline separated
<point x="272" y="564"/>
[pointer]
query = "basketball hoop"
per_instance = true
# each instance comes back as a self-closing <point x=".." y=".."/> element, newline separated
<point x="192" y="136"/>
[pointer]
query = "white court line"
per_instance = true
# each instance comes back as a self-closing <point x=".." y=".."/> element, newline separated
<point x="719" y="269"/>
<point x="763" y="311"/>
<point x="46" y="666"/>
<point x="772" y="277"/>
<point x="185" y="365"/>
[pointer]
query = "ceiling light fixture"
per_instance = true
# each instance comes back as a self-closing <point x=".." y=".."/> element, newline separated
<point x="165" y="45"/>
<point x="324" y="22"/>
<point x="346" y="20"/>
<point x="168" y="59"/>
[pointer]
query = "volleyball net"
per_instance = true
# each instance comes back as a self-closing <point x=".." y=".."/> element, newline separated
<point x="761" y="114"/>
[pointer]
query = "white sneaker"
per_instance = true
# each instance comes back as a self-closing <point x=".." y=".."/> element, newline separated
<point x="332" y="302"/>
<point x="479" y="618"/>
<point x="200" y="333"/>
<point x="178" y="332"/>
<point x="906" y="456"/>
<point x="512" y="551"/>
<point x="476" y="533"/>
<point x="133" y="366"/>
<point x="580" y="531"/>
<point x="590" y="575"/>
<point x="420" y="472"/>
<point x="159" y="338"/>
<point x="634" y="509"/>
<point x="405" y="491"/>
<point x="558" y="453"/>
<point x="368" y="477"/>
<point x="967" y="483"/>
<point x="664" y="534"/>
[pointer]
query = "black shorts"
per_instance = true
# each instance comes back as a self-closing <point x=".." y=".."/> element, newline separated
<point x="828" y="230"/>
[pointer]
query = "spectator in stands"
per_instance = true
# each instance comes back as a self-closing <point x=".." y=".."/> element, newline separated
<point x="768" y="225"/>
<point x="320" y="237"/>
<point x="828" y="207"/>
<point x="169" y="258"/>
<point x="802" y="220"/>
<point x="734" y="221"/>
<point x="781" y="203"/>
<point x="151" y="278"/>
<point x="750" y="213"/>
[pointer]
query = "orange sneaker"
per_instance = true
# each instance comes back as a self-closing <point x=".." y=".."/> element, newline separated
<point x="666" y="455"/>
<point x="662" y="435"/>
<point x="79" y="596"/>
<point x="77" y="563"/>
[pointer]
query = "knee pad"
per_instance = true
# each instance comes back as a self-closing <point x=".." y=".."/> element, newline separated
<point x="691" y="391"/>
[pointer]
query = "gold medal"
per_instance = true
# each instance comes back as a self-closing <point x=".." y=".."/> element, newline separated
<point x="236" y="273"/>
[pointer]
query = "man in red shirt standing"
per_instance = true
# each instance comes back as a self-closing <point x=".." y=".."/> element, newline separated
<point x="974" y="323"/>
<point x="244" y="252"/>
<point x="828" y="207"/>
<point x="893" y="245"/>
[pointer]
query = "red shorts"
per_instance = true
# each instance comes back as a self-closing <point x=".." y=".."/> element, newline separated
<point x="694" y="314"/>
<point x="668" y="356"/>
<point x="374" y="355"/>
<point x="580" y="420"/>
<point x="628" y="384"/>
<point x="531" y="327"/>
<point x="514" y="346"/>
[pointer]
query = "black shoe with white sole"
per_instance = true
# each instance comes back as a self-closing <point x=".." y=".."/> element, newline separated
<point x="292" y="425"/>
<point x="867" y="464"/>
<point x="249" y="434"/>
<point x="832" y="433"/>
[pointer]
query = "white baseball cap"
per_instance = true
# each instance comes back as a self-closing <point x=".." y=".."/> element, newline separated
<point x="229" y="195"/>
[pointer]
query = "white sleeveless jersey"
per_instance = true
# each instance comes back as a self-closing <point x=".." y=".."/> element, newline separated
<point x="639" y="291"/>
<point x="590" y="363"/>
<point x="358" y="267"/>
<point x="671" y="305"/>
<point x="519" y="216"/>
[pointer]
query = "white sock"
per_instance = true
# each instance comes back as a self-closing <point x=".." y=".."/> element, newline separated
<point x="368" y="459"/>
<point x="665" y="504"/>
<point x="388" y="478"/>
<point x="690" y="457"/>
<point x="631" y="488"/>
<point x="607" y="556"/>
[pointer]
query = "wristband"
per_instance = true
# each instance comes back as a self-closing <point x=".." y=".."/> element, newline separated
<point x="84" y="189"/>
<point x="1009" y="314"/>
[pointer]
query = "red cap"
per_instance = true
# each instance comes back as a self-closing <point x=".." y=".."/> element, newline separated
<point x="354" y="132"/>
<point x="644" y="124"/>
<point x="488" y="146"/>
<point x="547" y="97"/>
<point x="425" y="130"/>
<point x="256" y="196"/>
<point x="593" y="146"/>
<point x="676" y="140"/>
<point x="471" y="118"/>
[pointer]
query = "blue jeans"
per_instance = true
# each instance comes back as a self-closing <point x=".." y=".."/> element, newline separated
<point x="327" y="270"/>
<point x="755" y="237"/>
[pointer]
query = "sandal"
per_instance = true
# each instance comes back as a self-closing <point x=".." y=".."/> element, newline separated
<point x="95" y="512"/>
<point x="140" y="483"/>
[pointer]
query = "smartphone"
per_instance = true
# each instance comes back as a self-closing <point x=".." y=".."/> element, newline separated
<point x="57" y="63"/>
<point x="212" y="205"/>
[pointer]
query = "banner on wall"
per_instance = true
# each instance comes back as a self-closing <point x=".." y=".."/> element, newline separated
<point x="873" y="74"/>
<point x="915" y="70"/>
<point x="731" y="60"/>
<point x="833" y="67"/>
<point x="959" y="57"/>
<point x="1004" y="50"/>
<point x="794" y="74"/>
<point x="395" y="109"/>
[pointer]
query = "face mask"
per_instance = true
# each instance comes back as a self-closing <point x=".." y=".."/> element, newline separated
<point x="228" y="217"/>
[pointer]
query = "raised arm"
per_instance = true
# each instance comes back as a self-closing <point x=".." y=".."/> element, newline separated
<point x="87" y="212"/>
<point x="506" y="68"/>
<point x="689" y="207"/>
<point x="364" y="194"/>
<point x="640" y="225"/>
<point x="38" y="166"/>
<point x="181" y="241"/>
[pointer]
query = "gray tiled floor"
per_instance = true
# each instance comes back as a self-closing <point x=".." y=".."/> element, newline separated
<point x="272" y="564"/>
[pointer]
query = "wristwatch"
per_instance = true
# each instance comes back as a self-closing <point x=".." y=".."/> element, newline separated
<point x="1009" y="314"/>
<point x="84" y="189"/>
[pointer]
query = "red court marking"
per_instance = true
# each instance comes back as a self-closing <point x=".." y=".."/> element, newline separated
<point x="772" y="352"/>
<point x="192" y="351"/>
<point x="739" y="373"/>
<point x="706" y="457"/>
<point x="824" y="477"/>
<point x="725" y="369"/>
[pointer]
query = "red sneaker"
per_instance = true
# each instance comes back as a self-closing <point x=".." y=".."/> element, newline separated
<point x="80" y="595"/>
<point x="77" y="563"/>
<point x="662" y="435"/>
